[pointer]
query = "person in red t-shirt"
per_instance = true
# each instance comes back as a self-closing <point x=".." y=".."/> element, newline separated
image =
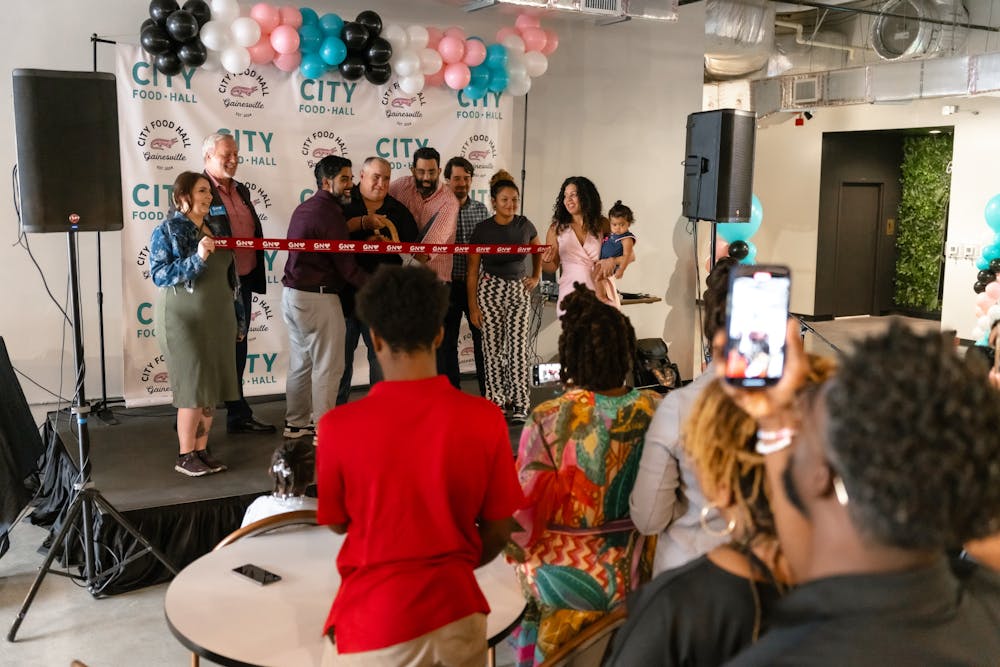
<point x="421" y="478"/>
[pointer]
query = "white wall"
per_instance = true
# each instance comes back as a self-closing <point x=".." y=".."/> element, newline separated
<point x="787" y="179"/>
<point x="612" y="106"/>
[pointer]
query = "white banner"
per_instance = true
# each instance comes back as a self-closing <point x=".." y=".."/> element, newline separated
<point x="282" y="123"/>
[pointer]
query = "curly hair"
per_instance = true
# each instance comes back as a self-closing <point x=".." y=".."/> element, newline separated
<point x="597" y="343"/>
<point x="714" y="297"/>
<point x="590" y="206"/>
<point x="405" y="305"/>
<point x="293" y="467"/>
<point x="912" y="431"/>
<point x="620" y="210"/>
<point x="500" y="181"/>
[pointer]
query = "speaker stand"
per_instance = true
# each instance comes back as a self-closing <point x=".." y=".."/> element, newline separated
<point x="86" y="495"/>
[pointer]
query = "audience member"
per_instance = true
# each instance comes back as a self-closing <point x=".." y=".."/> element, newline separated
<point x="310" y="302"/>
<point x="499" y="298"/>
<point x="458" y="172"/>
<point x="421" y="478"/>
<point x="576" y="551"/>
<point x="197" y="318"/>
<point x="293" y="470"/>
<point x="617" y="246"/>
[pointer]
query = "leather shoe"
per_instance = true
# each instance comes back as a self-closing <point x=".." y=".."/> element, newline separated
<point x="250" y="425"/>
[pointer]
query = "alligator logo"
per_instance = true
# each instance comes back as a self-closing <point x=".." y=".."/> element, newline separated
<point x="162" y="144"/>
<point x="323" y="152"/>
<point x="403" y="102"/>
<point x="242" y="91"/>
<point x="160" y="377"/>
<point x="478" y="155"/>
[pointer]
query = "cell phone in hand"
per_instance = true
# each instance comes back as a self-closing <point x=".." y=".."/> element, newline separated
<point x="542" y="374"/>
<point x="257" y="574"/>
<point x="756" y="319"/>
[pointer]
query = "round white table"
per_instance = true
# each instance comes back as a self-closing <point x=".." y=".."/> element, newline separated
<point x="231" y="620"/>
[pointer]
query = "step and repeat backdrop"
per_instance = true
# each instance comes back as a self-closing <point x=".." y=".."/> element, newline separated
<point x="283" y="124"/>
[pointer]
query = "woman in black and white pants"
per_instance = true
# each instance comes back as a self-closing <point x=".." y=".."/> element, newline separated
<point x="499" y="290"/>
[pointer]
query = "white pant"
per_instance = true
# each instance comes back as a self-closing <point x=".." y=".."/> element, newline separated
<point x="461" y="643"/>
<point x="316" y="333"/>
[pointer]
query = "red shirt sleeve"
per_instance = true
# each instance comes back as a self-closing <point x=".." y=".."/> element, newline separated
<point x="503" y="492"/>
<point x="329" y="477"/>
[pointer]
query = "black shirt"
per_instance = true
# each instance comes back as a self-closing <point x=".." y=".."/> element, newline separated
<point x="925" y="617"/>
<point x="518" y="231"/>
<point x="697" y="614"/>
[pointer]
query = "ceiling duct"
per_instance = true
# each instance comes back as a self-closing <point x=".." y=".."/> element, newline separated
<point x="903" y="30"/>
<point x="739" y="37"/>
<point x="605" y="11"/>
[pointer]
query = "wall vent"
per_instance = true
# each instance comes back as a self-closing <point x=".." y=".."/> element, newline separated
<point x="610" y="7"/>
<point x="805" y="90"/>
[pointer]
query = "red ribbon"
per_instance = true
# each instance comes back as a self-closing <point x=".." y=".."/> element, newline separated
<point x="379" y="247"/>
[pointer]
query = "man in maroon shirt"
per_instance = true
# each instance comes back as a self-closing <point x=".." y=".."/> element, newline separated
<point x="232" y="207"/>
<point x="421" y="478"/>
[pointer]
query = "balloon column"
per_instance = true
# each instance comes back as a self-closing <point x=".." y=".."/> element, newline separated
<point x="987" y="286"/>
<point x="170" y="34"/>
<point x="737" y="234"/>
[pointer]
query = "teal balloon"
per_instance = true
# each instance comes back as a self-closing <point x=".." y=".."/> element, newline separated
<point x="312" y="66"/>
<point x="992" y="213"/>
<point x="992" y="251"/>
<point x="498" y="81"/>
<point x="751" y="257"/>
<point x="756" y="212"/>
<point x="982" y="263"/>
<point x="480" y="76"/>
<point x="472" y="92"/>
<point x="496" y="56"/>
<point x="309" y="16"/>
<point x="742" y="231"/>
<point x="310" y="38"/>
<point x="331" y="24"/>
<point x="333" y="51"/>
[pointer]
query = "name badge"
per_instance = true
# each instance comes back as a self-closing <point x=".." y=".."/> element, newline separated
<point x="218" y="209"/>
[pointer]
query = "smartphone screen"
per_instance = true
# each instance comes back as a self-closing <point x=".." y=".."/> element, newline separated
<point x="545" y="374"/>
<point x="756" y="318"/>
<point x="257" y="574"/>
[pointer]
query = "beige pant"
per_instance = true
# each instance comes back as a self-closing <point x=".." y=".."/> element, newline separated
<point x="461" y="643"/>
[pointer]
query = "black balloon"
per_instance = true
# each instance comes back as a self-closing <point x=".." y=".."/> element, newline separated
<point x="182" y="26"/>
<point x="355" y="36"/>
<point x="379" y="52"/>
<point x="193" y="53"/>
<point x="155" y="40"/>
<point x="370" y="20"/>
<point x="739" y="250"/>
<point x="353" y="67"/>
<point x="995" y="265"/>
<point x="986" y="276"/>
<point x="979" y="287"/>
<point x="146" y="24"/>
<point x="379" y="74"/>
<point x="200" y="10"/>
<point x="168" y="63"/>
<point x="159" y="10"/>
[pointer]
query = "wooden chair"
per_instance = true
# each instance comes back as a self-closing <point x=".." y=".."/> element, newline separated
<point x="590" y="646"/>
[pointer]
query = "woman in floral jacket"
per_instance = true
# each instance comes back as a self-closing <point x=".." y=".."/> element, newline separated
<point x="576" y="551"/>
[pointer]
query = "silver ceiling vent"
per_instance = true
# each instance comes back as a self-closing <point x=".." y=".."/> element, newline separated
<point x="739" y="37"/>
<point x="900" y="31"/>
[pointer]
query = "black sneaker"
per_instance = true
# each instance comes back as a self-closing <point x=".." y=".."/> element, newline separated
<point x="519" y="416"/>
<point x="299" y="431"/>
<point x="190" y="464"/>
<point x="215" y="464"/>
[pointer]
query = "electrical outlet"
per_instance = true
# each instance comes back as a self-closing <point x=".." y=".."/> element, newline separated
<point x="952" y="251"/>
<point x="970" y="251"/>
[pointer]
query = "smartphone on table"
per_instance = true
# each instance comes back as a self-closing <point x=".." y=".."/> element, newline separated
<point x="257" y="574"/>
<point x="756" y="320"/>
<point x="542" y="374"/>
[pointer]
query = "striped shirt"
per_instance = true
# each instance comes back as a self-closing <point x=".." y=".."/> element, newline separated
<point x="442" y="208"/>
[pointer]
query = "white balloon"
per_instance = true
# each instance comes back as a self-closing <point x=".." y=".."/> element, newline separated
<point x="213" y="63"/>
<point x="235" y="59"/>
<point x="516" y="69"/>
<point x="977" y="333"/>
<point x="406" y="63"/>
<point x="518" y="86"/>
<point x="536" y="63"/>
<point x="983" y="322"/>
<point x="225" y="11"/>
<point x="430" y="61"/>
<point x="411" y="85"/>
<point x="418" y="37"/>
<point x="514" y="44"/>
<point x="994" y="312"/>
<point x="215" y="35"/>
<point x="245" y="31"/>
<point x="396" y="36"/>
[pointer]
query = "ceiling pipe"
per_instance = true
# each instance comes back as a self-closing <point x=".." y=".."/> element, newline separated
<point x="800" y="39"/>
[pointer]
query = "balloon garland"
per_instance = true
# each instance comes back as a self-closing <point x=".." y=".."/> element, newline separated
<point x="987" y="286"/>
<point x="213" y="35"/>
<point x="737" y="235"/>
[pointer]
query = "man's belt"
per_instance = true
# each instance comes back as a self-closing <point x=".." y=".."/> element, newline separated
<point x="317" y="289"/>
<point x="377" y="247"/>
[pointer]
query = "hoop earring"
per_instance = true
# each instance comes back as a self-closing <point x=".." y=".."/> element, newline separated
<point x="703" y="518"/>
<point x="840" y="490"/>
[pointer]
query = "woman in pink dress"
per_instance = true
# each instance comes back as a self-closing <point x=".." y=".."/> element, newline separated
<point x="574" y="237"/>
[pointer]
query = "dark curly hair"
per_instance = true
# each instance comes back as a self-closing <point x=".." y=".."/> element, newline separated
<point x="913" y="432"/>
<point x="405" y="305"/>
<point x="620" y="210"/>
<point x="714" y="297"/>
<point x="597" y="343"/>
<point x="293" y="466"/>
<point x="590" y="206"/>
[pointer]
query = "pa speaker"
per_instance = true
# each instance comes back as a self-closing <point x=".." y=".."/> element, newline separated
<point x="718" y="167"/>
<point x="68" y="164"/>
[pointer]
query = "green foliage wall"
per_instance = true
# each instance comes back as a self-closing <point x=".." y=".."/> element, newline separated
<point x="923" y="214"/>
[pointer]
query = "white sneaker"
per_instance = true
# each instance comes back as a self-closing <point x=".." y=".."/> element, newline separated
<point x="299" y="431"/>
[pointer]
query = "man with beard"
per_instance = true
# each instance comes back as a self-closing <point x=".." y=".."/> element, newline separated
<point x="370" y="208"/>
<point x="884" y="474"/>
<point x="311" y="303"/>
<point x="232" y="208"/>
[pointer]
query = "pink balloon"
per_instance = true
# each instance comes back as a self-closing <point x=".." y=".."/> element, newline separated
<point x="551" y="42"/>
<point x="993" y="289"/>
<point x="984" y="301"/>
<point x="525" y="20"/>
<point x="455" y="31"/>
<point x="534" y="39"/>
<point x="475" y="53"/>
<point x="505" y="32"/>
<point x="285" y="39"/>
<point x="457" y="76"/>
<point x="262" y="52"/>
<point x="267" y="16"/>
<point x="434" y="36"/>
<point x="437" y="78"/>
<point x="288" y="62"/>
<point x="290" y="16"/>
<point x="452" y="50"/>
